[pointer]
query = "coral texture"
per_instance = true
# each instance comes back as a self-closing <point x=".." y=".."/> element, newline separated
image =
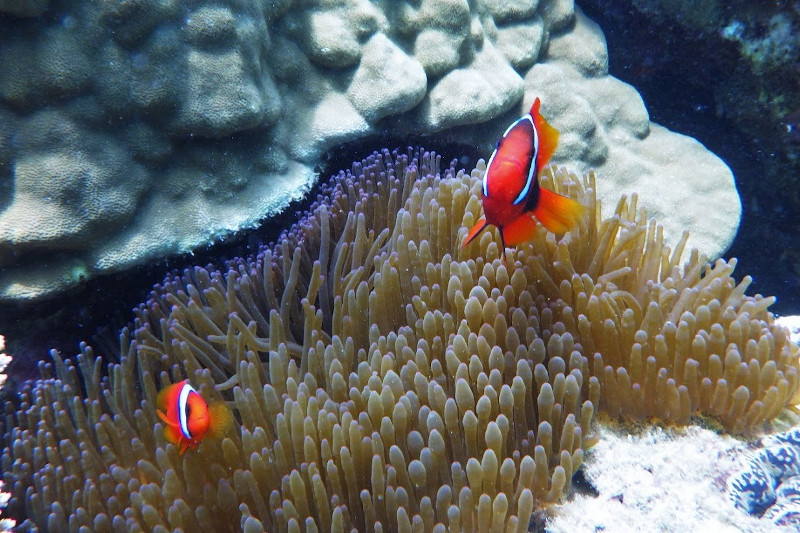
<point x="605" y="127"/>
<point x="134" y="130"/>
<point x="383" y="374"/>
<point x="792" y="324"/>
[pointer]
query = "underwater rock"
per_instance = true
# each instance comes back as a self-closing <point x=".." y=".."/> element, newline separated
<point x="24" y="8"/>
<point x="194" y="124"/>
<point x="387" y="80"/>
<point x="749" y="59"/>
<point x="487" y="88"/>
<point x="792" y="323"/>
<point x="658" y="480"/>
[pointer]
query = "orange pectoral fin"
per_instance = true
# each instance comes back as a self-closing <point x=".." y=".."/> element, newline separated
<point x="164" y="418"/>
<point x="220" y="419"/>
<point x="475" y="231"/>
<point x="557" y="213"/>
<point x="521" y="229"/>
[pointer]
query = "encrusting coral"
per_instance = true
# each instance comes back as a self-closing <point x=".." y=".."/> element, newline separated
<point x="384" y="377"/>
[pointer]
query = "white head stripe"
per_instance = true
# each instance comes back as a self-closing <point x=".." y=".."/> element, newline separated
<point x="532" y="171"/>
<point x="486" y="175"/>
<point x="183" y="397"/>
<point x="511" y="127"/>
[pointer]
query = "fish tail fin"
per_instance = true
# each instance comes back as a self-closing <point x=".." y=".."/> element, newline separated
<point x="548" y="136"/>
<point x="557" y="213"/>
<point x="220" y="419"/>
<point x="475" y="231"/>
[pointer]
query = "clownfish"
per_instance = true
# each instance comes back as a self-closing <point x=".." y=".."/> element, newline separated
<point x="188" y="417"/>
<point x="510" y="191"/>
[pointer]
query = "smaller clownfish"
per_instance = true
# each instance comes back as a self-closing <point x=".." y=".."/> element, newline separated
<point x="188" y="417"/>
<point x="510" y="191"/>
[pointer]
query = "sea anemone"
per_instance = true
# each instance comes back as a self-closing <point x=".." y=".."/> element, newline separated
<point x="378" y="379"/>
<point x="382" y="376"/>
<point x="666" y="337"/>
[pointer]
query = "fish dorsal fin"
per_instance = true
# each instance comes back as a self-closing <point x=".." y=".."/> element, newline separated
<point x="548" y="136"/>
<point x="165" y="395"/>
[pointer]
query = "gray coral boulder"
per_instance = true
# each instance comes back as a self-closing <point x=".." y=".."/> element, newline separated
<point x="387" y="80"/>
<point x="130" y="131"/>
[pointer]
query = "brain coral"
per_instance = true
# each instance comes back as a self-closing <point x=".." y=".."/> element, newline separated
<point x="384" y="377"/>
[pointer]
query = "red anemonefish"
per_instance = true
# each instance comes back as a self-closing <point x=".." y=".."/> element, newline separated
<point x="188" y="417"/>
<point x="511" y="193"/>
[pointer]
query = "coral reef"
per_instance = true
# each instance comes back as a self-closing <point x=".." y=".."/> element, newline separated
<point x="755" y="87"/>
<point x="605" y="128"/>
<point x="382" y="374"/>
<point x="135" y="130"/>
